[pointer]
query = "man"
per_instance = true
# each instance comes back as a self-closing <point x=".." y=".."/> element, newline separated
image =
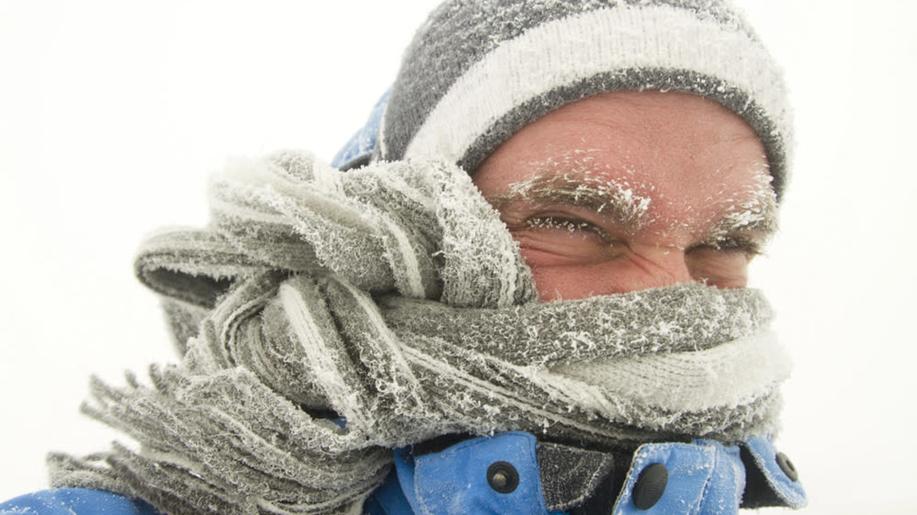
<point x="588" y="347"/>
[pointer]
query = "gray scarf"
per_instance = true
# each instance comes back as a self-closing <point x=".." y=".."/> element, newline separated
<point x="393" y="296"/>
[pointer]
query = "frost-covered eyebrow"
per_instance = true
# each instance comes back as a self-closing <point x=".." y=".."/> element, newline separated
<point x="756" y="217"/>
<point x="606" y="198"/>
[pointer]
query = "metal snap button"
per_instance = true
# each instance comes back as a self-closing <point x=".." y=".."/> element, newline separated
<point x="502" y="477"/>
<point x="787" y="466"/>
<point x="650" y="486"/>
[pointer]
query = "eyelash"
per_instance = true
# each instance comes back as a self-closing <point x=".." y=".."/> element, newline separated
<point x="570" y="224"/>
<point x="751" y="248"/>
<point x="730" y="243"/>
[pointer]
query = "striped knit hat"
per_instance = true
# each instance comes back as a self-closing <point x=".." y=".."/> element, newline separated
<point x="477" y="71"/>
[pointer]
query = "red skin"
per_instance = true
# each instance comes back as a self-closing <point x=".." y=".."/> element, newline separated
<point x="693" y="159"/>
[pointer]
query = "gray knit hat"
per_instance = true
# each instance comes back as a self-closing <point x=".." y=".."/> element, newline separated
<point x="477" y="71"/>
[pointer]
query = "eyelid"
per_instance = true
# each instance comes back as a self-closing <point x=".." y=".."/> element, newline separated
<point x="569" y="220"/>
<point x="749" y="246"/>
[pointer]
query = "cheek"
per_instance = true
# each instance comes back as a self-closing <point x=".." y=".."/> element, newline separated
<point x="572" y="282"/>
<point x="564" y="250"/>
<point x="581" y="281"/>
<point x="556" y="277"/>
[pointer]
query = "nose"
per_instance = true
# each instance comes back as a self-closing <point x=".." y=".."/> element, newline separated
<point x="653" y="267"/>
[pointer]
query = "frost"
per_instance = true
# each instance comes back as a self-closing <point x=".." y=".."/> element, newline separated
<point x="395" y="297"/>
<point x="757" y="210"/>
<point x="569" y="178"/>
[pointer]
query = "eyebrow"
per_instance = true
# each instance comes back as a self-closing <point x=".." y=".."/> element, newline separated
<point x="619" y="202"/>
<point x="756" y="216"/>
<point x="608" y="198"/>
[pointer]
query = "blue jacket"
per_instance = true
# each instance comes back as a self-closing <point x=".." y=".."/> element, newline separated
<point x="502" y="474"/>
<point x="512" y="473"/>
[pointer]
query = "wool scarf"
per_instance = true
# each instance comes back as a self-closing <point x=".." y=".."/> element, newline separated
<point x="325" y="318"/>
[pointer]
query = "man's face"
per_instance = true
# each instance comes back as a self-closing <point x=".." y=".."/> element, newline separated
<point x="631" y="190"/>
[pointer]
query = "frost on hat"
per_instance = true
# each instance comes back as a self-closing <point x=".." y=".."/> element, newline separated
<point x="477" y="71"/>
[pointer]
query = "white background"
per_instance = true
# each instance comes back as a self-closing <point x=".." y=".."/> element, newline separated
<point x="112" y="115"/>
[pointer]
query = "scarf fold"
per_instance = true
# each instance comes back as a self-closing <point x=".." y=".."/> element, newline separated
<point x="394" y="297"/>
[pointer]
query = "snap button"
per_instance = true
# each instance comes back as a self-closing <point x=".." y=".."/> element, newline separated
<point x="502" y="477"/>
<point x="649" y="486"/>
<point x="787" y="466"/>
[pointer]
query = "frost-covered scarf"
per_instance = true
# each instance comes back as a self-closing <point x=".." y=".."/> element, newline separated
<point x="393" y="296"/>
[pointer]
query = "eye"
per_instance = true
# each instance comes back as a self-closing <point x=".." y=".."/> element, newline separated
<point x="569" y="225"/>
<point x="732" y="244"/>
<point x="550" y="239"/>
<point x="722" y="262"/>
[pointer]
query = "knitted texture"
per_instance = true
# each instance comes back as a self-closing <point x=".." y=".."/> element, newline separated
<point x="479" y="70"/>
<point x="393" y="296"/>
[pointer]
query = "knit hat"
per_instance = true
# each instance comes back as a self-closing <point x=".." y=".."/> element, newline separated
<point x="477" y="71"/>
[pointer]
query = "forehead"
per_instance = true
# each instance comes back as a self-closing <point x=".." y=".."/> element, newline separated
<point x="691" y="158"/>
